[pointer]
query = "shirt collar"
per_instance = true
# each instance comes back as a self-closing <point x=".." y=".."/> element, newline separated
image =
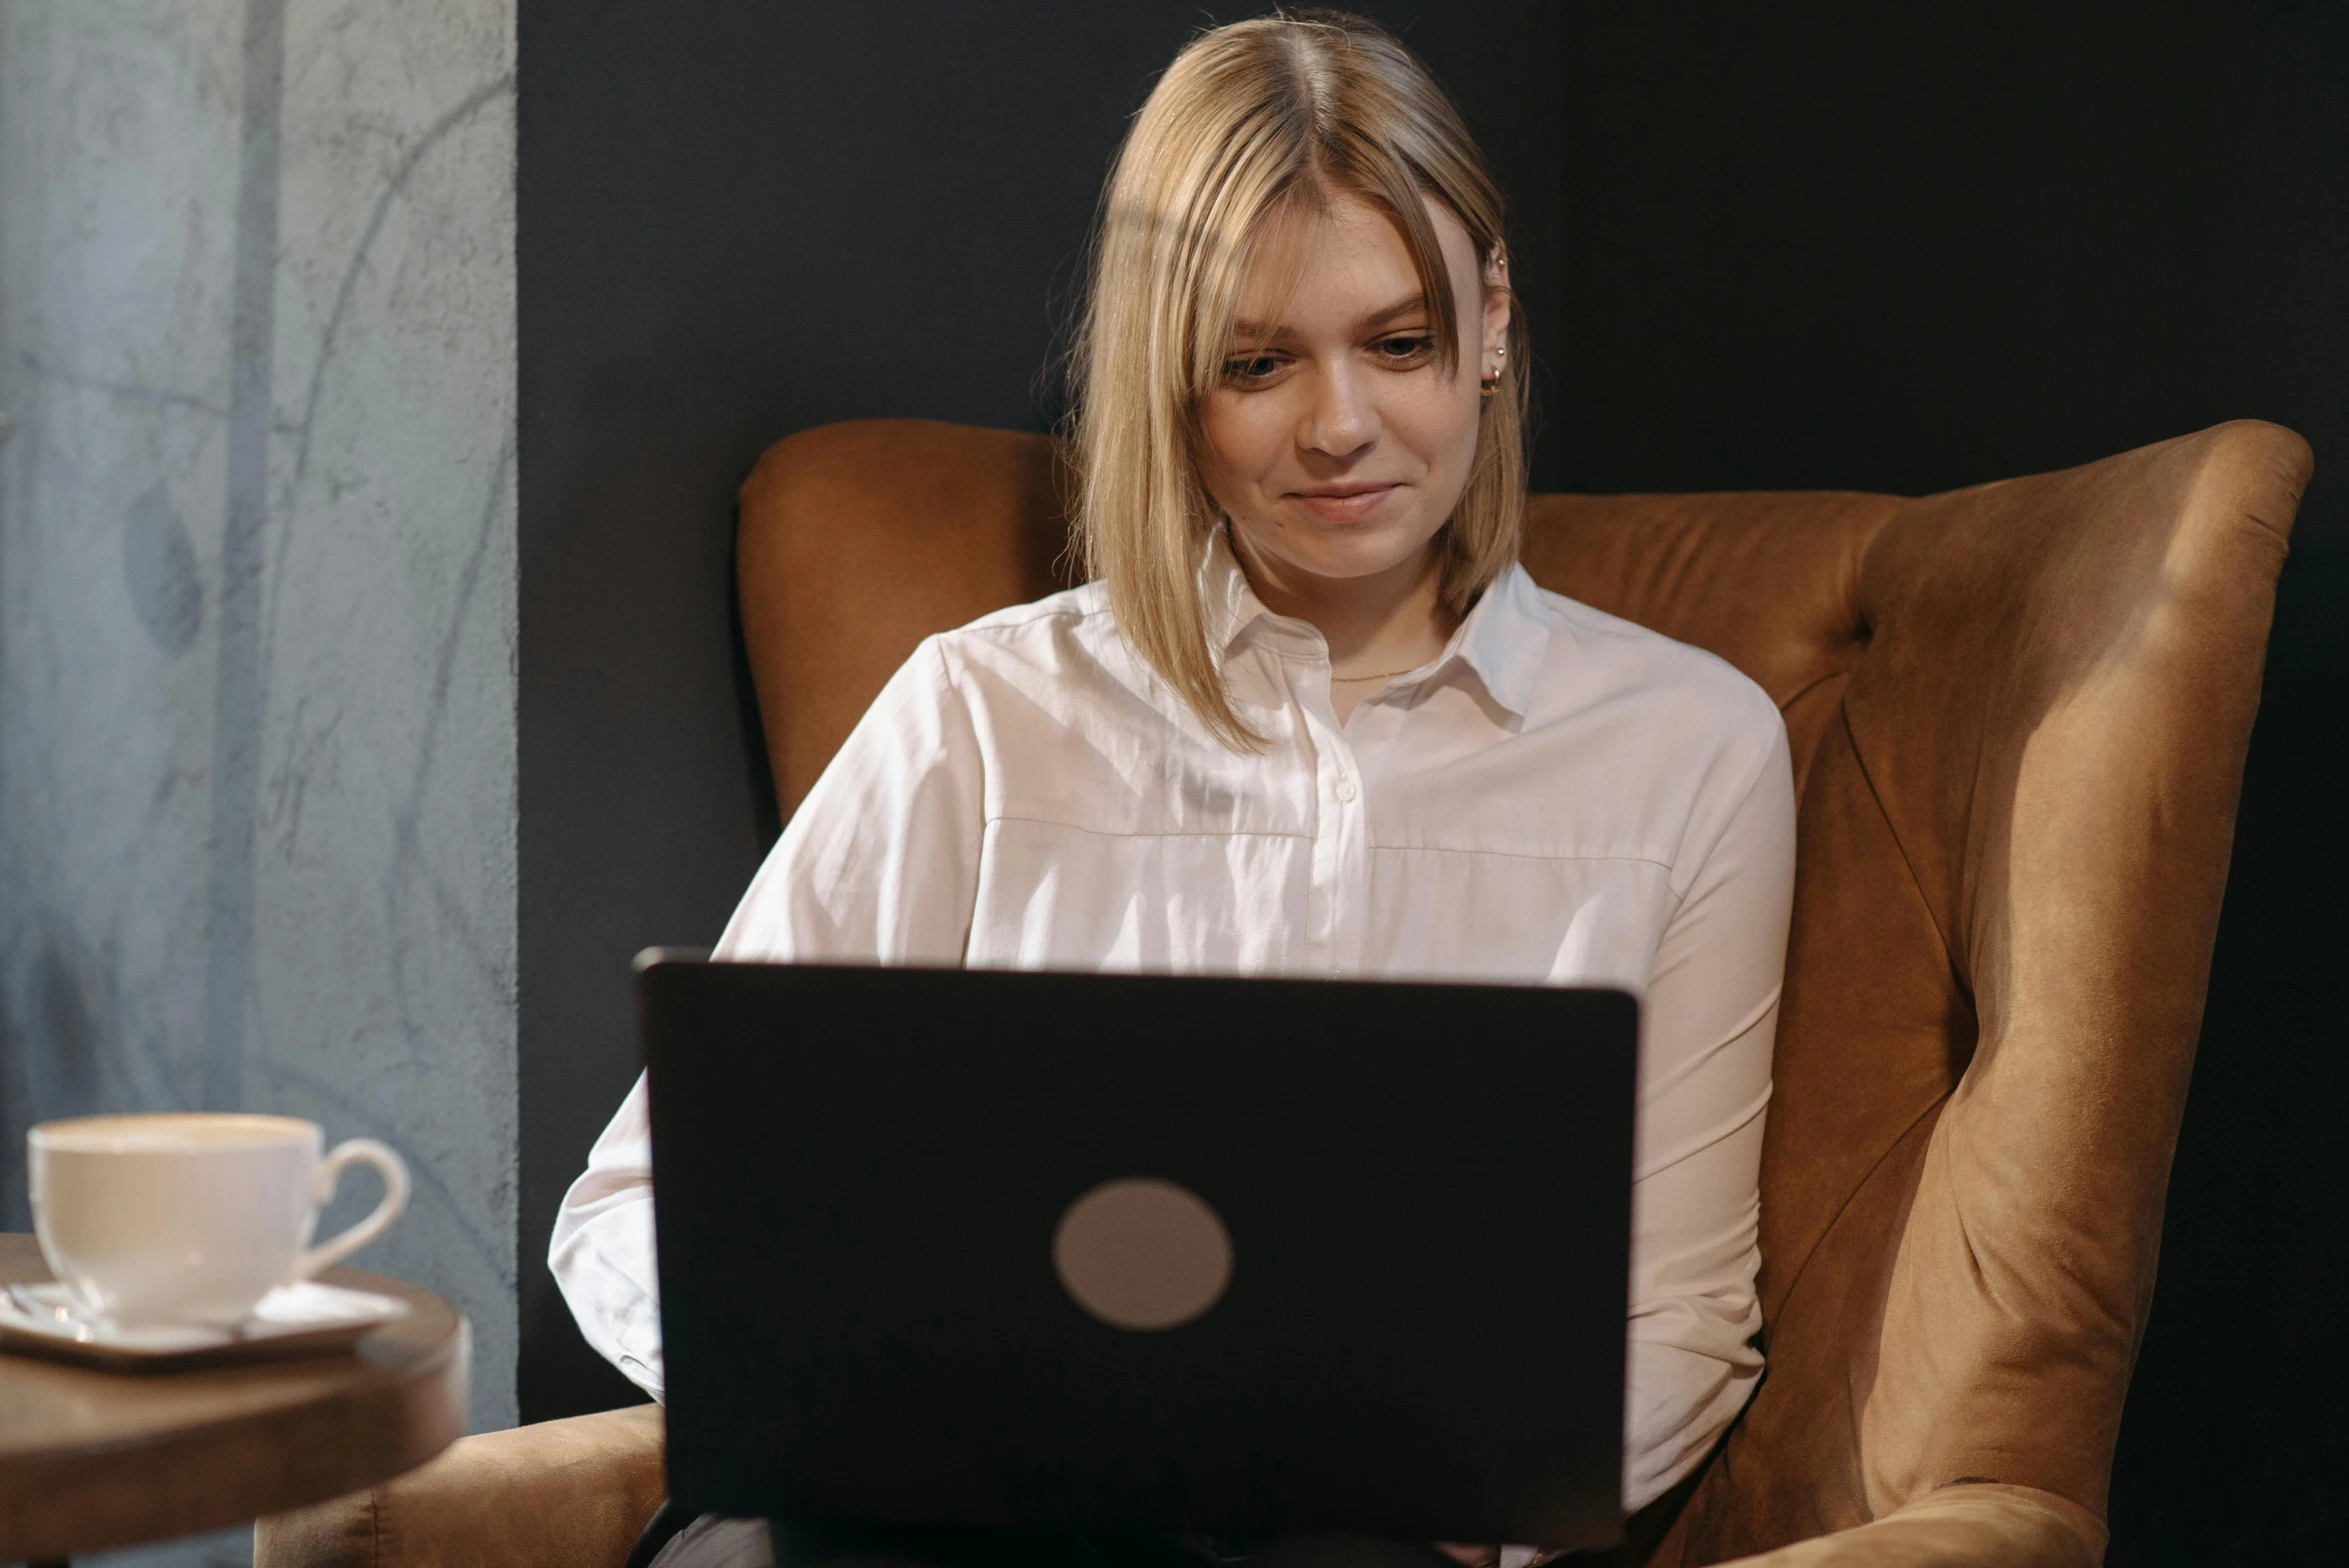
<point x="1504" y="638"/>
<point x="1227" y="605"/>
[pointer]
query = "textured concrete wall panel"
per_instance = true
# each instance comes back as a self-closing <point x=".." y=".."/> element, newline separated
<point x="257" y="621"/>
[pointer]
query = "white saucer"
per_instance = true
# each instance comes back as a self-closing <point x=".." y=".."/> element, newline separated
<point x="304" y="1319"/>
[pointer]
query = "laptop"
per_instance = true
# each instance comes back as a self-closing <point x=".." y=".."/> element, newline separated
<point x="1250" y="1258"/>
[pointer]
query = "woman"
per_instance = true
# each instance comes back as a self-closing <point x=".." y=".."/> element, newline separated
<point x="1311" y="717"/>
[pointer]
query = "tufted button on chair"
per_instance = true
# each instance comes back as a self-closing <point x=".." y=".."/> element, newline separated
<point x="2018" y="714"/>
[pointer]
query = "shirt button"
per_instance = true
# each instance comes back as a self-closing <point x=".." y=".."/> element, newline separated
<point x="1346" y="790"/>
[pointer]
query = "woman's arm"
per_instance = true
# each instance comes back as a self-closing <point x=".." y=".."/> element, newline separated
<point x="1708" y="1021"/>
<point x="879" y="865"/>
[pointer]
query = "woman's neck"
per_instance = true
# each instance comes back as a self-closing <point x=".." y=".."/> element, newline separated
<point x="1381" y="624"/>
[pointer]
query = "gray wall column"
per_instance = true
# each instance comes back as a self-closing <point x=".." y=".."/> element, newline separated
<point x="257" y="596"/>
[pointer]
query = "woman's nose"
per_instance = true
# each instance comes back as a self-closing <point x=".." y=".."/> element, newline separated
<point x="1343" y="417"/>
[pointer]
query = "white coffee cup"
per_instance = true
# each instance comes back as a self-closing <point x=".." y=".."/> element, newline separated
<point x="193" y="1218"/>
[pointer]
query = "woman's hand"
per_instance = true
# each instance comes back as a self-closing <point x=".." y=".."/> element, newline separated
<point x="1472" y="1556"/>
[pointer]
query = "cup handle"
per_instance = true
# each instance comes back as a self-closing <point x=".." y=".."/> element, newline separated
<point x="365" y="1151"/>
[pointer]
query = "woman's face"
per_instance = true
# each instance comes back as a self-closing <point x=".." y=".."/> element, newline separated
<point x="1337" y="442"/>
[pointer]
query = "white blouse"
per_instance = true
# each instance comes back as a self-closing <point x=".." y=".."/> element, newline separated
<point x="1560" y="797"/>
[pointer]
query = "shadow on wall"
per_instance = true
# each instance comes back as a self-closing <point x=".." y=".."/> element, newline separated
<point x="159" y="572"/>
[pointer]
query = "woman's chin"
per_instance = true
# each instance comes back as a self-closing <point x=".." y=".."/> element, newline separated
<point x="1371" y="554"/>
<point x="1340" y="550"/>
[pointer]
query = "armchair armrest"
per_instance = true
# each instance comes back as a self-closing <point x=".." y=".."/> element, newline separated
<point x="557" y="1494"/>
<point x="1969" y="1525"/>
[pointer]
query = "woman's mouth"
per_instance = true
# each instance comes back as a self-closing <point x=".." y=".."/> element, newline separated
<point x="1346" y="503"/>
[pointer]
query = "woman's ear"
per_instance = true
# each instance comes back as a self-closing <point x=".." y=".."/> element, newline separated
<point x="1499" y="301"/>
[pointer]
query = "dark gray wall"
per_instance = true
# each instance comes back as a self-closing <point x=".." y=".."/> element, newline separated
<point x="1907" y="248"/>
<point x="1888" y="247"/>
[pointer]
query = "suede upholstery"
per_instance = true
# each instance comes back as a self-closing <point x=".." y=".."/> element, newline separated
<point x="562" y="1494"/>
<point x="2019" y="715"/>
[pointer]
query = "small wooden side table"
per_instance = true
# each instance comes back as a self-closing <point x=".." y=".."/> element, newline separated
<point x="91" y="1460"/>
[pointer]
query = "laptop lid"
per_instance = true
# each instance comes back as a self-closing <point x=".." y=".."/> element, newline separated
<point x="1249" y="1257"/>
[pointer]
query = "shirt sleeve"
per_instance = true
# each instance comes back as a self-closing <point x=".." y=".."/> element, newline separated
<point x="1708" y="1021"/>
<point x="879" y="865"/>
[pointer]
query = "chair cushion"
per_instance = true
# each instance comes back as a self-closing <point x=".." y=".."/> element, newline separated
<point x="555" y="1494"/>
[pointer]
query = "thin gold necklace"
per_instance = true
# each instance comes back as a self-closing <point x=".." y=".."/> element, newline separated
<point x="1390" y="675"/>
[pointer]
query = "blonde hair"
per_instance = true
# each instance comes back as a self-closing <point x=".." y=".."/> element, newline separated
<point x="1249" y="119"/>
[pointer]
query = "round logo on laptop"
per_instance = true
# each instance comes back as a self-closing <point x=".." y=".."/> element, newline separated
<point x="1143" y="1253"/>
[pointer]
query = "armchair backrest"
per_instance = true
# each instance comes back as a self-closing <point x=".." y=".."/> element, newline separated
<point x="2019" y="714"/>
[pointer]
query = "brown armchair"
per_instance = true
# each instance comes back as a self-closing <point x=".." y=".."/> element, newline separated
<point x="2019" y="715"/>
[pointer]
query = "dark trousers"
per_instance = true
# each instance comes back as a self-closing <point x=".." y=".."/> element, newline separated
<point x="709" y="1542"/>
<point x="758" y="1543"/>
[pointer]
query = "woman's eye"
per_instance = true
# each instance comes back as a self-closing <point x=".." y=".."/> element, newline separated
<point x="1255" y="367"/>
<point x="1406" y="349"/>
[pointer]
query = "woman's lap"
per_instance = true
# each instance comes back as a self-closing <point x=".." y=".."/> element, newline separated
<point x="711" y="1542"/>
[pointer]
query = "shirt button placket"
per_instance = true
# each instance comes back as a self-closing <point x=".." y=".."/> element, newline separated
<point x="1347" y="889"/>
<point x="1333" y="892"/>
<point x="1372" y="735"/>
